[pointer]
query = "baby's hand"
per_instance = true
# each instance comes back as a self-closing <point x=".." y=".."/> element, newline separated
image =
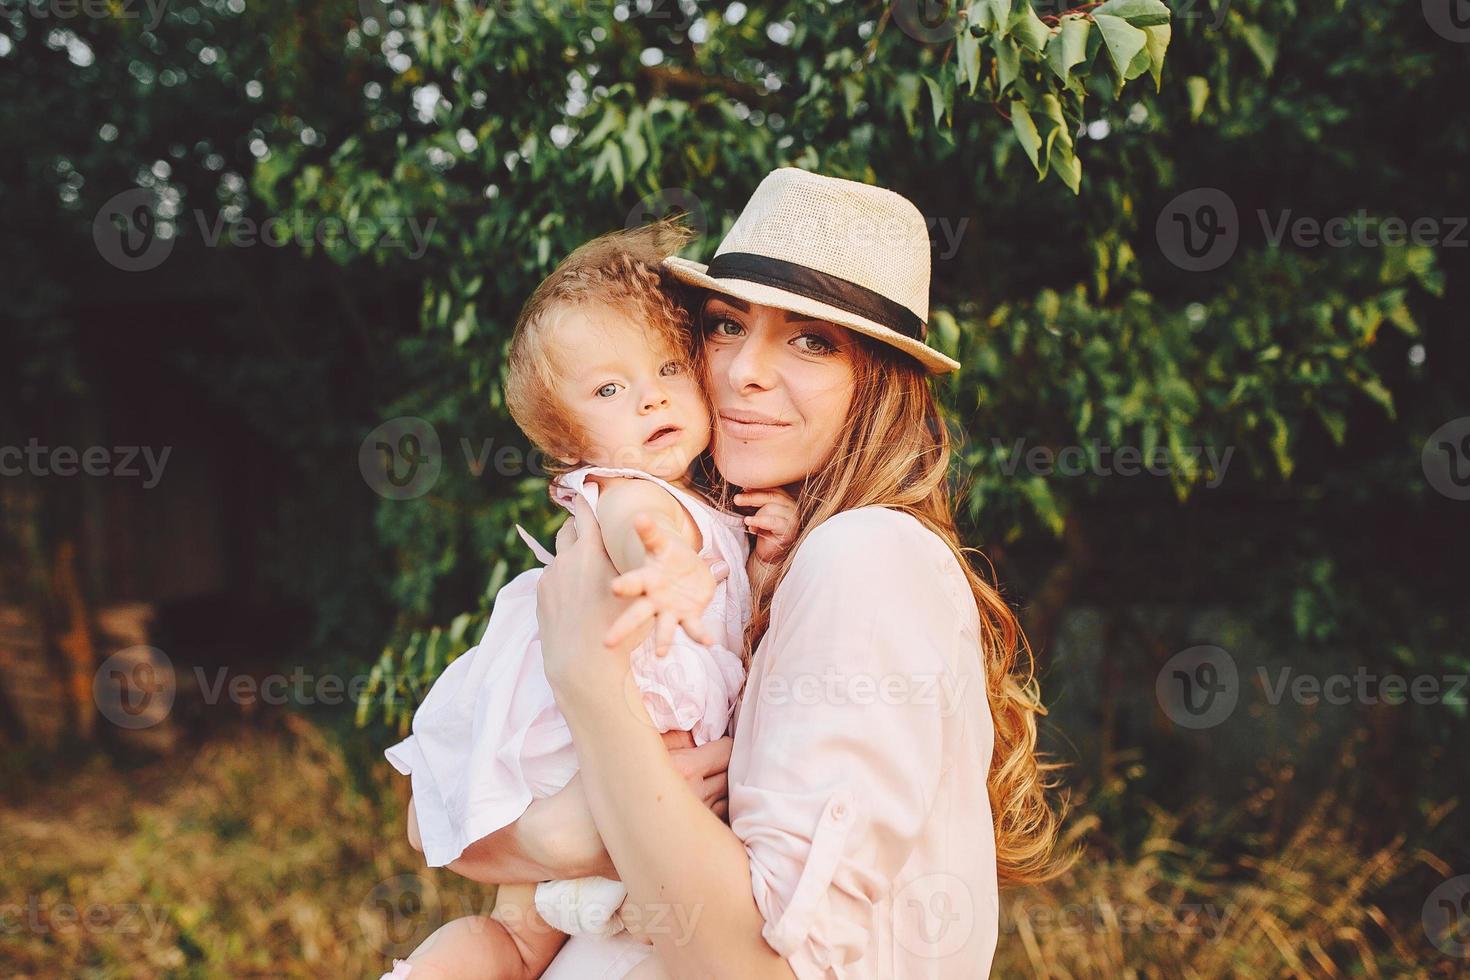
<point x="673" y="588"/>
<point x="774" y="522"/>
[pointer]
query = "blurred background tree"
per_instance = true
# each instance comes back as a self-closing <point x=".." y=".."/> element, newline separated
<point x="1066" y="166"/>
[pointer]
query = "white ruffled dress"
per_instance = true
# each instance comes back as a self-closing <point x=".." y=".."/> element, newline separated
<point x="488" y="738"/>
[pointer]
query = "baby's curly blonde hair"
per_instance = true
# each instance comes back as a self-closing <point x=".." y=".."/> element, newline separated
<point x="622" y="269"/>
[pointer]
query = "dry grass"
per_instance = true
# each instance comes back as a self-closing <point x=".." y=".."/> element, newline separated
<point x="249" y="858"/>
<point x="257" y="857"/>
<point x="1312" y="908"/>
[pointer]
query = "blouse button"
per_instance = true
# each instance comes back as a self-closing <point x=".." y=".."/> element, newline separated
<point x="839" y="811"/>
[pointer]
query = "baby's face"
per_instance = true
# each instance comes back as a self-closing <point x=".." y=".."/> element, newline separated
<point x="637" y="402"/>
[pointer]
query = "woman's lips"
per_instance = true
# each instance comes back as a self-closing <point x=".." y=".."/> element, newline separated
<point x="750" y="425"/>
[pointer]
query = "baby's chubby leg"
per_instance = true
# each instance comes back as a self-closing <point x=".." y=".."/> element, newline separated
<point x="513" y="943"/>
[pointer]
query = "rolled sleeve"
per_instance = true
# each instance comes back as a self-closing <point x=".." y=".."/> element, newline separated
<point x="840" y="744"/>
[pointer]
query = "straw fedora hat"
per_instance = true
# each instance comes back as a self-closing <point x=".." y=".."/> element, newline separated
<point x="833" y="249"/>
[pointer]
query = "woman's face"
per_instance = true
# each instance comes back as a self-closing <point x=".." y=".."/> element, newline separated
<point x="781" y="384"/>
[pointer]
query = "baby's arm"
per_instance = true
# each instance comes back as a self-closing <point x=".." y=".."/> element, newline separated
<point x="621" y="501"/>
<point x="654" y="543"/>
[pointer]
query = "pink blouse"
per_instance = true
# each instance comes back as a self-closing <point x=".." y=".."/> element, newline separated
<point x="862" y="751"/>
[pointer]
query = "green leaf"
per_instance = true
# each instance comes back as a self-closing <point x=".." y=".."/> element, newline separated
<point x="1069" y="47"/>
<point x="1007" y="62"/>
<point x="1139" y="13"/>
<point x="908" y="97"/>
<point x="1158" y="44"/>
<point x="1029" y="28"/>
<point x="1122" y="40"/>
<point x="1375" y="390"/>
<point x="1027" y="134"/>
<point x="1140" y="63"/>
<point x="1000" y="13"/>
<point x="936" y="96"/>
<point x="1065" y="164"/>
<point x="1262" y="45"/>
<point x="1199" y="95"/>
<point x="968" y="59"/>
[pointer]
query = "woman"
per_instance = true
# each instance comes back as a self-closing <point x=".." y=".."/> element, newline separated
<point x="884" y="777"/>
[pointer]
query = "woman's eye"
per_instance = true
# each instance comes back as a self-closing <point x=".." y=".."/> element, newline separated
<point x="815" y="344"/>
<point x="608" y="390"/>
<point x="723" y="326"/>
<point x="670" y="369"/>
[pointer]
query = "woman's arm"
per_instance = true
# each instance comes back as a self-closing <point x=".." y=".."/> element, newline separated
<point x="681" y="864"/>
<point x="556" y="837"/>
<point x="822" y="832"/>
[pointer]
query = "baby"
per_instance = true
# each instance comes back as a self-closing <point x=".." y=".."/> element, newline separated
<point x="600" y="378"/>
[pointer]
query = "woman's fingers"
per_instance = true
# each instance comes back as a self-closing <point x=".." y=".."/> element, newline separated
<point x="677" y="740"/>
<point x="566" y="535"/>
<point x="719" y="568"/>
<point x="715" y="788"/>
<point x="585" y="516"/>
<point x="712" y="757"/>
<point x="632" y="619"/>
<point x="759" y="498"/>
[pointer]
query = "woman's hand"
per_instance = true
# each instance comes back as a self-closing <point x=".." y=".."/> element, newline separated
<point x="575" y="605"/>
<point x="703" y="768"/>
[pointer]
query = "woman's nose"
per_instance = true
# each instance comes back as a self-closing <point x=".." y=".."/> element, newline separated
<point x="751" y="366"/>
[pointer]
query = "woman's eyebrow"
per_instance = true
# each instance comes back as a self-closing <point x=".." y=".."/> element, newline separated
<point x="738" y="304"/>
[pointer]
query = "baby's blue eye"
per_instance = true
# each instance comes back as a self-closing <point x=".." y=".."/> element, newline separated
<point x="670" y="369"/>
<point x="608" y="390"/>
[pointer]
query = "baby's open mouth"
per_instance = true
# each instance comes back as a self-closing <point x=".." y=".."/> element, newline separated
<point x="662" y="434"/>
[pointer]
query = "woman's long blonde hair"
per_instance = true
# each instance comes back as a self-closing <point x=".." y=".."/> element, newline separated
<point x="894" y="452"/>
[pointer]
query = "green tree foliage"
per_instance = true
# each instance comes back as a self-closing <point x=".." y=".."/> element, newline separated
<point x="1051" y="146"/>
